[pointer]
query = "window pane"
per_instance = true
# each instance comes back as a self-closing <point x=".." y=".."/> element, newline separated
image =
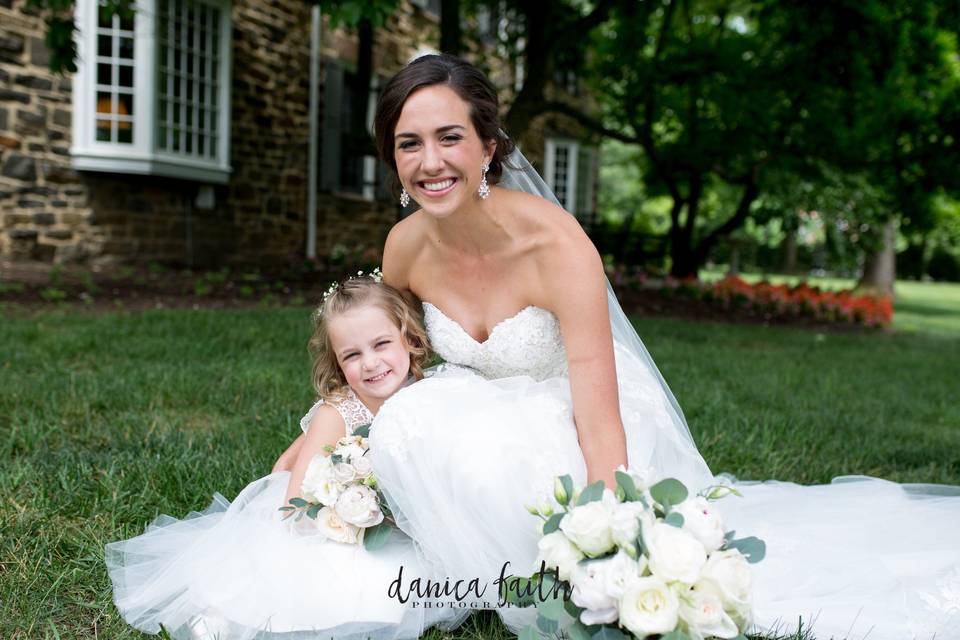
<point x="125" y="132"/>
<point x="125" y="104"/>
<point x="126" y="76"/>
<point x="104" y="102"/>
<point x="105" y="45"/>
<point x="126" y="48"/>
<point x="103" y="73"/>
<point x="103" y="131"/>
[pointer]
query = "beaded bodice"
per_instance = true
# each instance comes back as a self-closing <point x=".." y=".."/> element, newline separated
<point x="351" y="409"/>
<point x="528" y="343"/>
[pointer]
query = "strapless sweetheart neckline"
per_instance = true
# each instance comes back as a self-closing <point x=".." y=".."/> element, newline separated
<point x="493" y="329"/>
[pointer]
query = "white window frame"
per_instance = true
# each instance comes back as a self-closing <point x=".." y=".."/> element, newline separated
<point x="143" y="155"/>
<point x="550" y="158"/>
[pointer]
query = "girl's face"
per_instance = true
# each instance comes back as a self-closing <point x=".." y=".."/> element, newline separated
<point x="437" y="150"/>
<point x="371" y="353"/>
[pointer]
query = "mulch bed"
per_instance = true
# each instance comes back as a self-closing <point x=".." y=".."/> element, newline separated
<point x="35" y="286"/>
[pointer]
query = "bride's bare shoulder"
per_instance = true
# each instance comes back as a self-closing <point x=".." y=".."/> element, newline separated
<point x="556" y="231"/>
<point x="404" y="243"/>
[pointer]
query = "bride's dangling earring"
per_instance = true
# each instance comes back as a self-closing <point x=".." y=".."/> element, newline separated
<point x="404" y="197"/>
<point x="484" y="189"/>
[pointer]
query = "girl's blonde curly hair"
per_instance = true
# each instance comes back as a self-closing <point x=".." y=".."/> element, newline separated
<point x="328" y="380"/>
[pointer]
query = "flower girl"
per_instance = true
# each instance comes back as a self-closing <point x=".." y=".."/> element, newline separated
<point x="240" y="569"/>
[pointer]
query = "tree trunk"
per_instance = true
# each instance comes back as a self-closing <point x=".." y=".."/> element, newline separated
<point x="880" y="268"/>
<point x="734" y="268"/>
<point x="790" y="252"/>
<point x="450" y="27"/>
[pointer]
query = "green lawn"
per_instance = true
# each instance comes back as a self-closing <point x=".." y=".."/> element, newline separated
<point x="109" y="420"/>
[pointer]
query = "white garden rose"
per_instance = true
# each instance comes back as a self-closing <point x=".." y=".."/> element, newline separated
<point x="319" y="483"/>
<point x="589" y="580"/>
<point x="728" y="573"/>
<point x="648" y="607"/>
<point x="556" y="551"/>
<point x="588" y="527"/>
<point x="334" y="528"/>
<point x="363" y="467"/>
<point x="703" y="521"/>
<point x="623" y="570"/>
<point x="344" y="472"/>
<point x="358" y="505"/>
<point x="702" y="611"/>
<point x="351" y="452"/>
<point x="673" y="553"/>
<point x="625" y="524"/>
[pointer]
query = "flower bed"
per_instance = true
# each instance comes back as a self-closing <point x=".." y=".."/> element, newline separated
<point x="773" y="302"/>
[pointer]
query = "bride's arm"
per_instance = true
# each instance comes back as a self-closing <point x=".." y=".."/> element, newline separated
<point x="575" y="287"/>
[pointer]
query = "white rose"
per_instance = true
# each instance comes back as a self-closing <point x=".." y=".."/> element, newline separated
<point x="625" y="524"/>
<point x="358" y="505"/>
<point x="350" y="453"/>
<point x="344" y="472"/>
<point x="319" y="484"/>
<point x="673" y="553"/>
<point x="702" y="611"/>
<point x="558" y="552"/>
<point x="363" y="467"/>
<point x="588" y="527"/>
<point x="330" y="525"/>
<point x="623" y="570"/>
<point x="728" y="573"/>
<point x="648" y="607"/>
<point x="589" y="580"/>
<point x="702" y="520"/>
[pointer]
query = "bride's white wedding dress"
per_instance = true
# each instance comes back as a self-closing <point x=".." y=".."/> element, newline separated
<point x="459" y="455"/>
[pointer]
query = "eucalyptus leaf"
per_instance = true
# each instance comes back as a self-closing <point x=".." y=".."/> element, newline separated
<point x="336" y="458"/>
<point x="298" y="502"/>
<point x="363" y="431"/>
<point x="610" y="633"/>
<point x="754" y="549"/>
<point x="578" y="631"/>
<point x="552" y="608"/>
<point x="674" y="519"/>
<point x="669" y="492"/>
<point x="376" y="536"/>
<point x="313" y="511"/>
<point x="676" y="634"/>
<point x="528" y="633"/>
<point x="287" y="508"/>
<point x="547" y="625"/>
<point x="591" y="493"/>
<point x="553" y="523"/>
<point x="572" y="609"/>
<point x="521" y="595"/>
<point x="625" y="482"/>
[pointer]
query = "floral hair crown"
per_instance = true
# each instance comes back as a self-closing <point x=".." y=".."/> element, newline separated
<point x="376" y="275"/>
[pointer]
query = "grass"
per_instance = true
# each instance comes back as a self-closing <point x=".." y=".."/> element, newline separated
<point x="108" y="420"/>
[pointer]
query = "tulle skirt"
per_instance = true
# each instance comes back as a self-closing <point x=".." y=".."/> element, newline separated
<point x="237" y="571"/>
<point x="459" y="456"/>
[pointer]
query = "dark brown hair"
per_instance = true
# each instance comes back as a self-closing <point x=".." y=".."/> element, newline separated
<point x="461" y="76"/>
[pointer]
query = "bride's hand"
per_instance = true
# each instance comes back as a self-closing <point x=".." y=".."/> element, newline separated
<point x="288" y="457"/>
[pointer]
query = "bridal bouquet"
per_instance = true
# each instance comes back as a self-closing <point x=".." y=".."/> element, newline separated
<point x="644" y="561"/>
<point x="340" y="492"/>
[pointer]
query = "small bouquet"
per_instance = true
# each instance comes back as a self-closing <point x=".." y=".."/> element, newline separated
<point x="340" y="492"/>
<point x="641" y="562"/>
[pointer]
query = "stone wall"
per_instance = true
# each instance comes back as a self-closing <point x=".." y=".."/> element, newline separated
<point x="50" y="212"/>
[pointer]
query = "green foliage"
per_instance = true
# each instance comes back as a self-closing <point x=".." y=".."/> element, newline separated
<point x="351" y="13"/>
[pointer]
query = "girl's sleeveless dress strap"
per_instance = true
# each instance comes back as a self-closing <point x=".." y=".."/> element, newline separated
<point x="351" y="409"/>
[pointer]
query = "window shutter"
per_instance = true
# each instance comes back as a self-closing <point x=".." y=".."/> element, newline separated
<point x="585" y="169"/>
<point x="332" y="126"/>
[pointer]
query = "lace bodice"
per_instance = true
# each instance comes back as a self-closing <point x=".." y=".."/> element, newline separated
<point x="528" y="343"/>
<point x="353" y="412"/>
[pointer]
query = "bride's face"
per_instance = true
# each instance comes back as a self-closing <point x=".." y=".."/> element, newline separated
<point x="438" y="152"/>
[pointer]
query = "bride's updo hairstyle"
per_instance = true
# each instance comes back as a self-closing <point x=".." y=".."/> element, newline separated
<point x="466" y="80"/>
<point x="328" y="380"/>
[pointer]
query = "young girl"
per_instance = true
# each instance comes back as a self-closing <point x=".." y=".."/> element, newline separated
<point x="238" y="570"/>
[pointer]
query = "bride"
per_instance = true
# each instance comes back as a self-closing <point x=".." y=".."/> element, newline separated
<point x="545" y="376"/>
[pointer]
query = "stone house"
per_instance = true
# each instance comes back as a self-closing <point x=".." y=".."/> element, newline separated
<point x="183" y="138"/>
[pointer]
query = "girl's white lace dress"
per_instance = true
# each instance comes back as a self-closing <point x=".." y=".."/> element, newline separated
<point x="237" y="571"/>
<point x="460" y="453"/>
